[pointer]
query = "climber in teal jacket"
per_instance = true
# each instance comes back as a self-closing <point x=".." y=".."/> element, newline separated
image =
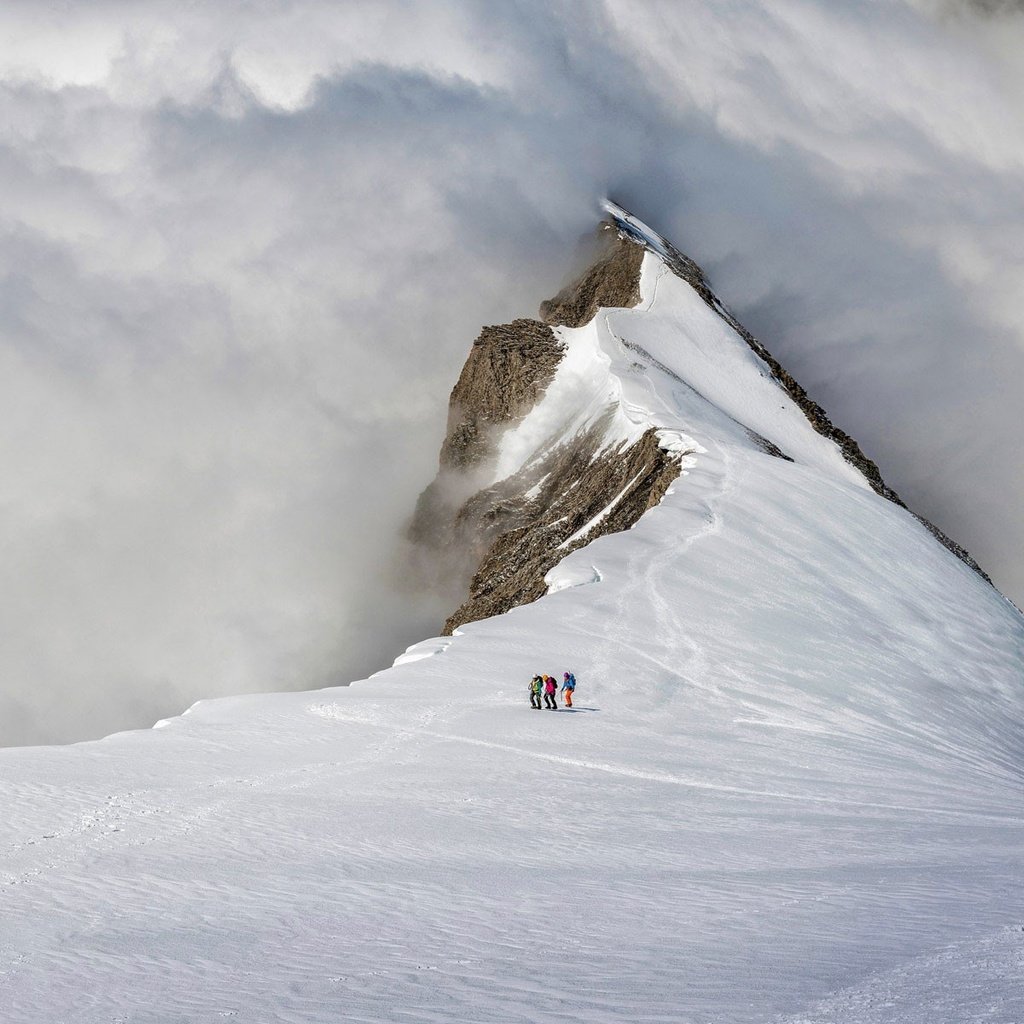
<point x="567" y="687"/>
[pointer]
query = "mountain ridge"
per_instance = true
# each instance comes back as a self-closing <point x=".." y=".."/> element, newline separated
<point x="504" y="535"/>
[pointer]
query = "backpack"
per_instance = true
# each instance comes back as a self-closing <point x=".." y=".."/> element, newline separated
<point x="570" y="683"/>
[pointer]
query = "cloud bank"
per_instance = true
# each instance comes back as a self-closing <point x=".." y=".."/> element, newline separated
<point x="244" y="250"/>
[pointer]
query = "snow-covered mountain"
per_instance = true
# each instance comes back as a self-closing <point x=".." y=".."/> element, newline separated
<point x="790" y="789"/>
<point x="564" y="429"/>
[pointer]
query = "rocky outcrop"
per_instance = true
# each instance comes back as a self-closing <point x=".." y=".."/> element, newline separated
<point x="582" y="494"/>
<point x="612" y="280"/>
<point x="507" y="370"/>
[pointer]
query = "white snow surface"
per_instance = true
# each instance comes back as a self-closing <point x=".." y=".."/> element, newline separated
<point x="789" y="791"/>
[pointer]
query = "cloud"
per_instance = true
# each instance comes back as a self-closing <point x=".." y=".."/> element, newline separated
<point x="990" y="8"/>
<point x="244" y="249"/>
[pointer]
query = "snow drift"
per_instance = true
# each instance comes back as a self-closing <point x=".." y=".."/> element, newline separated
<point x="789" y="790"/>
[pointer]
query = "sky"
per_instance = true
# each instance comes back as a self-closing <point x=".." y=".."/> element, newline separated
<point x="245" y="247"/>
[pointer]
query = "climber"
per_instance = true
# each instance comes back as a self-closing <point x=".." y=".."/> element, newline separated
<point x="536" y="685"/>
<point x="550" y="692"/>
<point x="567" y="687"/>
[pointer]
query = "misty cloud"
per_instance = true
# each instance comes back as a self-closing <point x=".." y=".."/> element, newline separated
<point x="244" y="251"/>
<point x="991" y="8"/>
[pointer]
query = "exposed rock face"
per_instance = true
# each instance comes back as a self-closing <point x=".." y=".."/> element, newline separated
<point x="583" y="494"/>
<point x="612" y="280"/>
<point x="503" y="537"/>
<point x="507" y="370"/>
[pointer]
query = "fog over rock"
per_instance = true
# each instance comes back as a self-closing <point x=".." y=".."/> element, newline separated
<point x="244" y="251"/>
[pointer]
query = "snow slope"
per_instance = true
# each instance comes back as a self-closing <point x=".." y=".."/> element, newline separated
<point x="790" y="789"/>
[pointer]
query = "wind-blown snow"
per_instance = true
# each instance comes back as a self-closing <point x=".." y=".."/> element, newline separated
<point x="789" y="790"/>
